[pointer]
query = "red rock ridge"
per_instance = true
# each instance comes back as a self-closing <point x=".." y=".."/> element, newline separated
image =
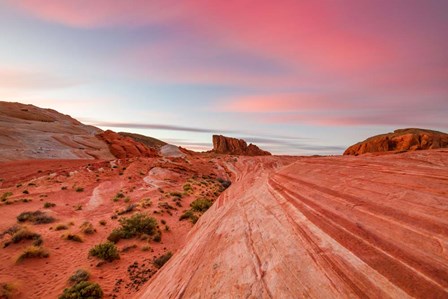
<point x="234" y="146"/>
<point x="125" y="147"/>
<point x="400" y="140"/>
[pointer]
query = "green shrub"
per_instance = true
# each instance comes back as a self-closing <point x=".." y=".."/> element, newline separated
<point x="133" y="226"/>
<point x="25" y="234"/>
<point x="176" y="194"/>
<point x="83" y="290"/>
<point x="33" y="252"/>
<point x="187" y="187"/>
<point x="201" y="205"/>
<point x="106" y="251"/>
<point x="79" y="275"/>
<point x="189" y="214"/>
<point x="118" y="196"/>
<point x="72" y="237"/>
<point x="5" y="196"/>
<point x="161" y="260"/>
<point x="36" y="217"/>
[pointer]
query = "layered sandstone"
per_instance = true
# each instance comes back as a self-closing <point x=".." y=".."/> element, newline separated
<point x="325" y="227"/>
<point x="30" y="132"/>
<point x="234" y="146"/>
<point x="400" y="140"/>
<point x="125" y="147"/>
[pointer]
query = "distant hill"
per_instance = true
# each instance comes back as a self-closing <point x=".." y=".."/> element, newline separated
<point x="148" y="141"/>
<point x="400" y="140"/>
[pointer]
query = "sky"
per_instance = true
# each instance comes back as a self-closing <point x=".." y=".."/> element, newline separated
<point x="295" y="77"/>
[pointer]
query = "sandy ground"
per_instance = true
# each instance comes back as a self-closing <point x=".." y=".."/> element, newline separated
<point x="56" y="181"/>
<point x="319" y="227"/>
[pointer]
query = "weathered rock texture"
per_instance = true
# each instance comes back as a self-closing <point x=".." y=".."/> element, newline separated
<point x="400" y="140"/>
<point x="327" y="227"/>
<point x="234" y="146"/>
<point x="29" y="132"/>
<point x="126" y="147"/>
<point x="148" y="141"/>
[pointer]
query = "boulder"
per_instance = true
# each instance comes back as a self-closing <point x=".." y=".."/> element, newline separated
<point x="234" y="146"/>
<point x="125" y="147"/>
<point x="399" y="141"/>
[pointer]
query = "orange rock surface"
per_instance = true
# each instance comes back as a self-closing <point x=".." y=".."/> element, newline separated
<point x="125" y="147"/>
<point x="319" y="227"/>
<point x="234" y="146"/>
<point x="400" y="140"/>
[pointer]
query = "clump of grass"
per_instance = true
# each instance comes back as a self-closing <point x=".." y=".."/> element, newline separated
<point x="145" y="203"/>
<point x="83" y="289"/>
<point x="189" y="214"/>
<point x="72" y="237"/>
<point x="146" y="248"/>
<point x="176" y="194"/>
<point x="201" y="205"/>
<point x="33" y="252"/>
<point x="6" y="290"/>
<point x="64" y="188"/>
<point x="26" y="192"/>
<point x="133" y="226"/>
<point x="61" y="227"/>
<point x="24" y="234"/>
<point x="102" y="222"/>
<point x="79" y="189"/>
<point x="187" y="187"/>
<point x="49" y="205"/>
<point x="118" y="196"/>
<point x="26" y="200"/>
<point x="78" y="207"/>
<point x="79" y="275"/>
<point x="106" y="251"/>
<point x="87" y="228"/>
<point x="157" y="236"/>
<point x="161" y="260"/>
<point x="5" y="196"/>
<point x="36" y="217"/>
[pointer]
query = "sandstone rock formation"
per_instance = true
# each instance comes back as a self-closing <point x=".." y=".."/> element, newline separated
<point x="125" y="147"/>
<point x="30" y="132"/>
<point x="320" y="227"/>
<point x="146" y="140"/>
<point x="234" y="146"/>
<point x="400" y="140"/>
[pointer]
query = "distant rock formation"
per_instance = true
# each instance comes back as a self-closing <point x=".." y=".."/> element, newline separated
<point x="29" y="132"/>
<point x="234" y="146"/>
<point x="126" y="147"/>
<point x="148" y="141"/>
<point x="400" y="140"/>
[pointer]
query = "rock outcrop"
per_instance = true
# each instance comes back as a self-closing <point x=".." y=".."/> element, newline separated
<point x="234" y="146"/>
<point x="146" y="140"/>
<point x="125" y="147"/>
<point x="308" y="230"/>
<point x="399" y="141"/>
<point x="29" y="132"/>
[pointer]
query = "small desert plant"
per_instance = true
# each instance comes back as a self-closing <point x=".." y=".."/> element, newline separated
<point x="36" y="217"/>
<point x="64" y="188"/>
<point x="26" y="200"/>
<point x="161" y="260"/>
<point x="25" y="234"/>
<point x="106" y="251"/>
<point x="133" y="226"/>
<point x="33" y="252"/>
<point x="189" y="214"/>
<point x="25" y="192"/>
<point x="79" y="275"/>
<point x="87" y="228"/>
<point x="146" y="248"/>
<point x="157" y="236"/>
<point x="6" y="290"/>
<point x="102" y="222"/>
<point x="176" y="194"/>
<point x="82" y="290"/>
<point x="118" y="196"/>
<point x="49" y="205"/>
<point x="201" y="205"/>
<point x="61" y="227"/>
<point x="79" y="189"/>
<point x="5" y="196"/>
<point x="72" y="237"/>
<point x="187" y="187"/>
